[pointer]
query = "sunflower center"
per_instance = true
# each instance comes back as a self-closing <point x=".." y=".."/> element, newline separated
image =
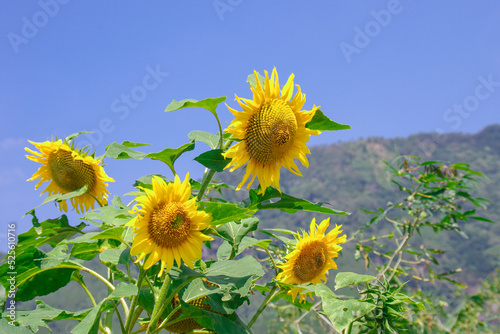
<point x="68" y="173"/>
<point x="311" y="261"/>
<point x="169" y="225"/>
<point x="271" y="132"/>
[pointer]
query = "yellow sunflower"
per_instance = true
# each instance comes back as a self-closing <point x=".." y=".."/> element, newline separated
<point x="68" y="169"/>
<point x="312" y="258"/>
<point x="168" y="225"/>
<point x="272" y="130"/>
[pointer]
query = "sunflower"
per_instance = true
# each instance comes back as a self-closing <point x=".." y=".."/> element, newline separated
<point x="168" y="225"/>
<point x="272" y="132"/>
<point x="312" y="257"/>
<point x="69" y="169"/>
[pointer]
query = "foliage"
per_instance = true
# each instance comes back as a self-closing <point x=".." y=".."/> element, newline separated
<point x="397" y="296"/>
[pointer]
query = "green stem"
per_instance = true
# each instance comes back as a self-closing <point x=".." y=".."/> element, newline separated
<point x="109" y="313"/>
<point x="95" y="199"/>
<point x="165" y="322"/>
<point x="155" y="315"/>
<point x="263" y="305"/>
<point x="82" y="284"/>
<point x="398" y="251"/>
<point x="174" y="293"/>
<point x="349" y="328"/>
<point x="207" y="178"/>
<point x="129" y="324"/>
<point x="120" y="320"/>
<point x="102" y="279"/>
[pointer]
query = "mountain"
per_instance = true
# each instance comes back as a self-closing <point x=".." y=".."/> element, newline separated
<point x="352" y="176"/>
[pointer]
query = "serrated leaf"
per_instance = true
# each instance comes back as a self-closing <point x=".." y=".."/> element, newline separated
<point x="116" y="214"/>
<point x="344" y="279"/>
<point x="213" y="159"/>
<point x="5" y="327"/>
<point x="209" y="104"/>
<point x="323" y="123"/>
<point x="39" y="274"/>
<point x="123" y="151"/>
<point x="169" y="155"/>
<point x="43" y="314"/>
<point x="341" y="312"/>
<point x="287" y="203"/>
<point x="115" y="233"/>
<point x="205" y="137"/>
<point x="50" y="231"/>
<point x="234" y="232"/>
<point x="224" y="212"/>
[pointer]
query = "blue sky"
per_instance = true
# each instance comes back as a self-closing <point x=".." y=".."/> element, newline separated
<point x="387" y="68"/>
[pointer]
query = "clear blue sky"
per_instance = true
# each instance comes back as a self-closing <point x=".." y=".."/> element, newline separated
<point x="387" y="68"/>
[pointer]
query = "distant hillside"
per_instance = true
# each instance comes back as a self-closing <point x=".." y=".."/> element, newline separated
<point x="351" y="176"/>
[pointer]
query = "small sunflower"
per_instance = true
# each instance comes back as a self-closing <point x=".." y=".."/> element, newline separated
<point x="272" y="130"/>
<point x="312" y="257"/>
<point x="69" y="169"/>
<point x="168" y="225"/>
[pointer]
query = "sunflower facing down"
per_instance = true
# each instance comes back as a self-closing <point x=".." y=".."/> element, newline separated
<point x="168" y="225"/>
<point x="68" y="169"/>
<point x="312" y="258"/>
<point x="272" y="130"/>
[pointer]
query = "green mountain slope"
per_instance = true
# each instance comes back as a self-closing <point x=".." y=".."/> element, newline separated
<point x="352" y="175"/>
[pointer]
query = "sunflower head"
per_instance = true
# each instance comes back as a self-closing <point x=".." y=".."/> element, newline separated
<point x="272" y="132"/>
<point x="168" y="225"/>
<point x="312" y="257"/>
<point x="67" y="169"/>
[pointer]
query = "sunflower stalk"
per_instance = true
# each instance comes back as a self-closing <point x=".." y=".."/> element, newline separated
<point x="129" y="324"/>
<point x="160" y="300"/>
<point x="264" y="304"/>
<point x="209" y="174"/>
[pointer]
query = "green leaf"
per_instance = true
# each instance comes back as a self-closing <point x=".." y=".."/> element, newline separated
<point x="85" y="250"/>
<point x="61" y="197"/>
<point x="252" y="81"/>
<point x="205" y="137"/>
<point x="344" y="279"/>
<point x="341" y="312"/>
<point x="116" y="214"/>
<point x="115" y="233"/>
<point x="123" y="151"/>
<point x="116" y="256"/>
<point x="209" y="104"/>
<point x="5" y="327"/>
<point x="483" y="219"/>
<point x="224" y="212"/>
<point x="287" y="203"/>
<point x="323" y="123"/>
<point x="50" y="231"/>
<point x="169" y="155"/>
<point x="222" y="271"/>
<point x="213" y="160"/>
<point x="214" y="321"/>
<point x="43" y="314"/>
<point x="39" y="274"/>
<point x="233" y="232"/>
<point x="121" y="291"/>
